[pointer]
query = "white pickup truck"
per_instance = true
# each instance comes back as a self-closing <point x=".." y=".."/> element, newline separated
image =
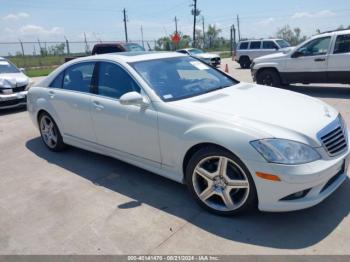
<point x="324" y="58"/>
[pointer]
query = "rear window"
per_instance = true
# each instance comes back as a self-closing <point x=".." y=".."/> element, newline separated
<point x="342" y="44"/>
<point x="255" y="45"/>
<point x="243" y="45"/>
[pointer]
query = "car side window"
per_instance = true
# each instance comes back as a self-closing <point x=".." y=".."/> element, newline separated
<point x="315" y="47"/>
<point x="269" y="45"/>
<point x="243" y="45"/>
<point x="114" y="81"/>
<point x="342" y="44"/>
<point x="255" y="45"/>
<point x="58" y="81"/>
<point x="78" y="77"/>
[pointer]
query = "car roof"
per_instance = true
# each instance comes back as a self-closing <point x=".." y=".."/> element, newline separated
<point x="265" y="39"/>
<point x="130" y="57"/>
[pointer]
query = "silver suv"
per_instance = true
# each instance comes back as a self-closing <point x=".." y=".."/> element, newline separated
<point x="251" y="49"/>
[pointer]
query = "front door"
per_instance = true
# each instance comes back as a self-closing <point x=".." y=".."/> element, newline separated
<point x="128" y="129"/>
<point x="308" y="64"/>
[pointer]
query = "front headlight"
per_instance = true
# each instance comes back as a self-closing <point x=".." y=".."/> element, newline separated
<point x="282" y="151"/>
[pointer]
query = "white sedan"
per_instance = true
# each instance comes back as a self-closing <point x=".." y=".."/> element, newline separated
<point x="236" y="145"/>
<point x="14" y="85"/>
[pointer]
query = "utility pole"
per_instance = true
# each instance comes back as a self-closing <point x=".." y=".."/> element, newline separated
<point x="21" y="46"/>
<point x="87" y="48"/>
<point x="231" y="39"/>
<point x="234" y="37"/>
<point x="175" y="24"/>
<point x="203" y="32"/>
<point x="194" y="22"/>
<point x="67" y="45"/>
<point x="239" y="30"/>
<point x="143" y="44"/>
<point x="125" y="27"/>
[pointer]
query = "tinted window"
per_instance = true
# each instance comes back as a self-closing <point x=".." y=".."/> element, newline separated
<point x="269" y="45"/>
<point x="114" y="81"/>
<point x="7" y="67"/>
<point x="342" y="44"/>
<point x="78" y="77"/>
<point x="182" y="52"/>
<point x="181" y="77"/>
<point x="315" y="47"/>
<point x="282" y="43"/>
<point x="243" y="45"/>
<point x="57" y="83"/>
<point x="255" y="45"/>
<point x="134" y="47"/>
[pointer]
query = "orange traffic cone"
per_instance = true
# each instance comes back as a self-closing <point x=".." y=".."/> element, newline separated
<point x="226" y="68"/>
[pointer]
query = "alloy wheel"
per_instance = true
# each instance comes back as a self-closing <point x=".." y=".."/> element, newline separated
<point x="220" y="183"/>
<point x="48" y="132"/>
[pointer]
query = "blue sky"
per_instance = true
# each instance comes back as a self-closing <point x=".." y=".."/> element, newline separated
<point x="53" y="19"/>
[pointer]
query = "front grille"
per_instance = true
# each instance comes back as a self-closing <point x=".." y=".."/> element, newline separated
<point x="215" y="59"/>
<point x="333" y="138"/>
<point x="14" y="90"/>
<point x="18" y="89"/>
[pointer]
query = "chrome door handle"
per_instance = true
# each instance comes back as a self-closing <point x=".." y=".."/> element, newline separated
<point x="51" y="94"/>
<point x="320" y="59"/>
<point x="98" y="106"/>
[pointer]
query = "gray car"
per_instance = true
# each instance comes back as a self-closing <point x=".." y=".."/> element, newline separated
<point x="14" y="85"/>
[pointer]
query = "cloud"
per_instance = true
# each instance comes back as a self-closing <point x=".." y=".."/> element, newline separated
<point x="17" y="16"/>
<point x="267" y="21"/>
<point x="320" y="14"/>
<point x="36" y="30"/>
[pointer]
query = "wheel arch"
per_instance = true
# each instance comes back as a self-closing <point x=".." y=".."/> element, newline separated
<point x="195" y="148"/>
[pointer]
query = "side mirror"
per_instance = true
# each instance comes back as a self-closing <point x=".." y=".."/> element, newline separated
<point x="131" y="98"/>
<point x="296" y="54"/>
<point x="23" y="70"/>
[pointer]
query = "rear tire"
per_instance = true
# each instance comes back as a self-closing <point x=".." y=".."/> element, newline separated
<point x="245" y="62"/>
<point x="50" y="134"/>
<point x="220" y="182"/>
<point x="269" y="77"/>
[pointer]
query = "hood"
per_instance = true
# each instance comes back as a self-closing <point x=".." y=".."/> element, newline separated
<point x="275" y="56"/>
<point x="206" y="55"/>
<point x="271" y="112"/>
<point x="12" y="80"/>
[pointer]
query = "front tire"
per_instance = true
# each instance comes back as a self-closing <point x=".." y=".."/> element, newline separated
<point x="220" y="182"/>
<point x="244" y="62"/>
<point x="269" y="77"/>
<point x="50" y="134"/>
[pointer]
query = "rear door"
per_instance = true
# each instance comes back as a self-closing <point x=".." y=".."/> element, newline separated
<point x="339" y="60"/>
<point x="255" y="50"/>
<point x="308" y="64"/>
<point x="70" y="97"/>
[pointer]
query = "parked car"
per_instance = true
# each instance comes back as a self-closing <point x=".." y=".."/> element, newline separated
<point x="236" y="145"/>
<point x="115" y="47"/>
<point x="14" y="85"/>
<point x="208" y="58"/>
<point x="248" y="50"/>
<point x="323" y="58"/>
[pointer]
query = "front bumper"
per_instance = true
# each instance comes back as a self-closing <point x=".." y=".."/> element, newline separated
<point x="317" y="180"/>
<point x="13" y="100"/>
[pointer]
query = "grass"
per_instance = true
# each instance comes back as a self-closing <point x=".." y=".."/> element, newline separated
<point x="36" y="61"/>
<point x="35" y="72"/>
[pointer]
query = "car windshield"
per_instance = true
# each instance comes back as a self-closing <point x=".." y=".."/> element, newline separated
<point x="181" y="77"/>
<point x="283" y="43"/>
<point x="134" y="47"/>
<point x="7" y="67"/>
<point x="195" y="51"/>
